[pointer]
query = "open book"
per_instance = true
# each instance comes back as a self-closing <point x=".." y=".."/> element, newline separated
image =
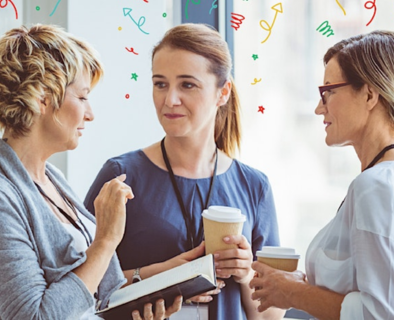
<point x="188" y="280"/>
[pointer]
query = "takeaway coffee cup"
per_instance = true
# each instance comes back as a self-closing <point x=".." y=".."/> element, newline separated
<point x="220" y="221"/>
<point x="279" y="258"/>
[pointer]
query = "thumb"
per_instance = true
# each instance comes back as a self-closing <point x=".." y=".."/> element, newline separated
<point x="122" y="177"/>
<point x="195" y="253"/>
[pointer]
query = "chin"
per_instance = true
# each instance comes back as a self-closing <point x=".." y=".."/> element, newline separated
<point x="331" y="143"/>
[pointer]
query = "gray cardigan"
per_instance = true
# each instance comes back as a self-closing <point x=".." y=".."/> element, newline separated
<point x="36" y="252"/>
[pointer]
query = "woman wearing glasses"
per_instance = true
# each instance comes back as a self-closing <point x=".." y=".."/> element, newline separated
<point x="349" y="264"/>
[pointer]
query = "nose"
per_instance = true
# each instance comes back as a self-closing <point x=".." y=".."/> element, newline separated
<point x="321" y="108"/>
<point x="172" y="98"/>
<point x="89" y="115"/>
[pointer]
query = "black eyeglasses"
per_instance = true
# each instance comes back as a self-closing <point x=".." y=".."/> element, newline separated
<point x="328" y="87"/>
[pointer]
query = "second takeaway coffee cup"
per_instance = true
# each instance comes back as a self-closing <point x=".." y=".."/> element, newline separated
<point x="279" y="258"/>
<point x="219" y="222"/>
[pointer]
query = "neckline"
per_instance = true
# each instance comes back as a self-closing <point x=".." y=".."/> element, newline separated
<point x="379" y="156"/>
<point x="185" y="178"/>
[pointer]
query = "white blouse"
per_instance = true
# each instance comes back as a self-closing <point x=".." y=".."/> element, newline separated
<point x="81" y="245"/>
<point x="354" y="253"/>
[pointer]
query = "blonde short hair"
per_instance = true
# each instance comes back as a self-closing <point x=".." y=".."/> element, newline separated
<point x="39" y="63"/>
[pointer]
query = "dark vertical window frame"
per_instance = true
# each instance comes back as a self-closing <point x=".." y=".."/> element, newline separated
<point x="199" y="13"/>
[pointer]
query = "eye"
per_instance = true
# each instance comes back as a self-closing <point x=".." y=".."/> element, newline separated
<point x="188" y="85"/>
<point x="83" y="98"/>
<point x="159" y="84"/>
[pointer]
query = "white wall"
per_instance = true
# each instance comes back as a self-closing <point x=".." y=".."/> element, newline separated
<point x="120" y="124"/>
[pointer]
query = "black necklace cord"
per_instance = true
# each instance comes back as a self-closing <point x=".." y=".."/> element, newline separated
<point x="379" y="156"/>
<point x="372" y="163"/>
<point x="187" y="216"/>
<point x="84" y="231"/>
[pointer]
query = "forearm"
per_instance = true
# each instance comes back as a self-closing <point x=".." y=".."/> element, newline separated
<point x="320" y="303"/>
<point x="91" y="272"/>
<point x="251" y="306"/>
<point x="147" y="271"/>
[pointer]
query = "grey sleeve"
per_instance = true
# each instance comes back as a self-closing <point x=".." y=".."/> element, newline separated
<point x="24" y="290"/>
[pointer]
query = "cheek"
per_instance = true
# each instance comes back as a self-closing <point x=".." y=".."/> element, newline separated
<point x="158" y="99"/>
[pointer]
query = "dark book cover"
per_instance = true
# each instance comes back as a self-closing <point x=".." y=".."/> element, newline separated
<point x="187" y="289"/>
<point x="191" y="287"/>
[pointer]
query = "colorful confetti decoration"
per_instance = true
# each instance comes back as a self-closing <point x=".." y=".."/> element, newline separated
<point x="278" y="9"/>
<point x="134" y="76"/>
<point x="255" y="56"/>
<point x="131" y="50"/>
<point x="187" y="7"/>
<point x="141" y="21"/>
<point x="326" y="26"/>
<point x="344" y="12"/>
<point x="214" y="6"/>
<point x="372" y="5"/>
<point x="256" y="81"/>
<point x="236" y="20"/>
<point x="261" y="109"/>
<point x="54" y="9"/>
<point x="6" y="3"/>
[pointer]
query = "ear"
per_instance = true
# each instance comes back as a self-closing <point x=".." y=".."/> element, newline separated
<point x="44" y="104"/>
<point x="372" y="96"/>
<point x="224" y="94"/>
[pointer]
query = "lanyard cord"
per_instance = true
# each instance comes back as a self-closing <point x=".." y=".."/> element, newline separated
<point x="186" y="216"/>
<point x="84" y="231"/>
<point x="379" y="156"/>
<point x="373" y="162"/>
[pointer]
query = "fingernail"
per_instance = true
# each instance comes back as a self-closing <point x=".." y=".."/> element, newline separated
<point x="210" y="298"/>
<point x="216" y="264"/>
<point x="216" y="255"/>
<point x="226" y="239"/>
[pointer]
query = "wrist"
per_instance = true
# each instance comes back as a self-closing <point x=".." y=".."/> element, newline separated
<point x="245" y="280"/>
<point x="298" y="291"/>
<point x="136" y="276"/>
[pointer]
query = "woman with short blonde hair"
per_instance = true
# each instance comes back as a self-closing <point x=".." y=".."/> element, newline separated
<point x="57" y="260"/>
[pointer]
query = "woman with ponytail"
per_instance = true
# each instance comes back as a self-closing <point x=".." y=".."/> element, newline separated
<point x="193" y="167"/>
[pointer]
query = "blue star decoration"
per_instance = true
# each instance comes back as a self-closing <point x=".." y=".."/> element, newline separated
<point x="255" y="56"/>
<point x="134" y="76"/>
<point x="261" y="109"/>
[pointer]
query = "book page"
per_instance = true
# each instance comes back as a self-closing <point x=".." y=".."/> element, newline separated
<point x="201" y="266"/>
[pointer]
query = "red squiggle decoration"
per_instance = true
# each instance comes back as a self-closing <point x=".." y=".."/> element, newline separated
<point x="131" y="50"/>
<point x="6" y="3"/>
<point x="372" y="6"/>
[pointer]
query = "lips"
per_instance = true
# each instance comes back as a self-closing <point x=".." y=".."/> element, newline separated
<point x="327" y="124"/>
<point x="173" y="115"/>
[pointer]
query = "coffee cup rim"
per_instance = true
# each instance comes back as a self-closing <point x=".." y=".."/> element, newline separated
<point x="206" y="215"/>
<point x="269" y="252"/>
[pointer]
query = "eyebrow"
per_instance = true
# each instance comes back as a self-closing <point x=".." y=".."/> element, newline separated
<point x="182" y="76"/>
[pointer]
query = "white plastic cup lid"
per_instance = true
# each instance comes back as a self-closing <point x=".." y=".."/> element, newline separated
<point x="278" y="252"/>
<point x="223" y="214"/>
